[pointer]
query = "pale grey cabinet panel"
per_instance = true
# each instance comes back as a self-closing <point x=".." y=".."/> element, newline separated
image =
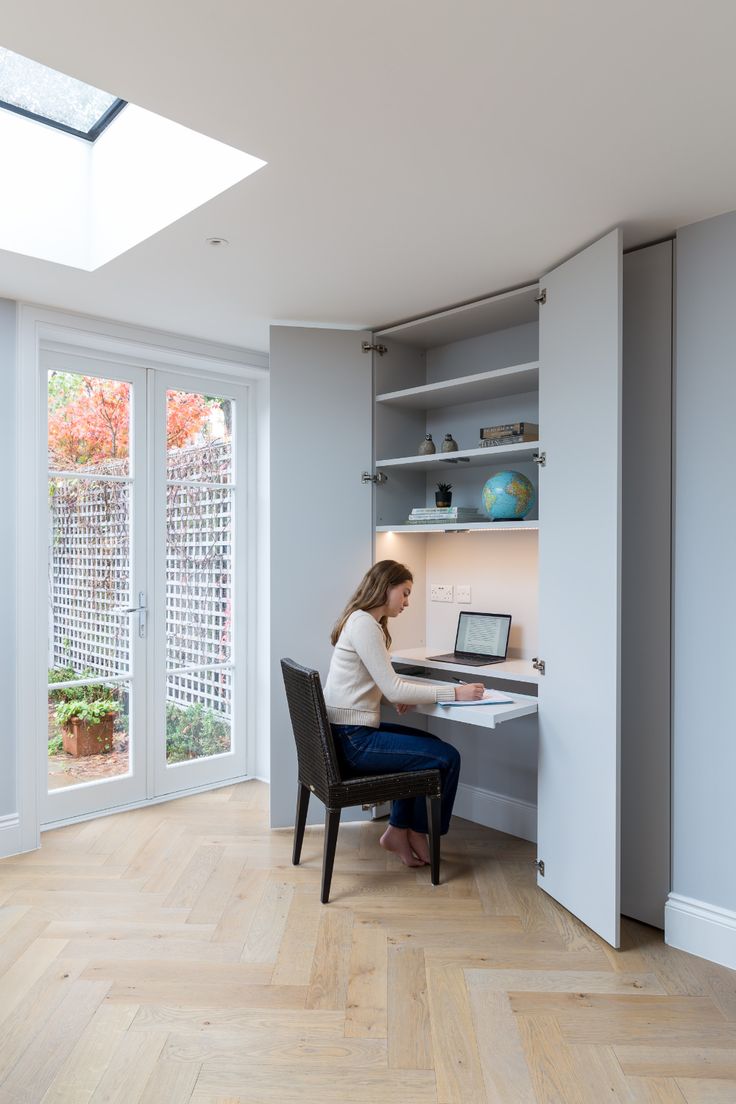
<point x="579" y="584"/>
<point x="646" y="581"/>
<point x="321" y="514"/>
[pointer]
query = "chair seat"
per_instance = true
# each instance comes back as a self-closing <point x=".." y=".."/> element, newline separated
<point x="374" y="789"/>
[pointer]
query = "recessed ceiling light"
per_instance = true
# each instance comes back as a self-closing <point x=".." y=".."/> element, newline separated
<point x="217" y="242"/>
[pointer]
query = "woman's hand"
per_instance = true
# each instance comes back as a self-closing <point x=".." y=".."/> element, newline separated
<point x="469" y="691"/>
<point x="401" y="707"/>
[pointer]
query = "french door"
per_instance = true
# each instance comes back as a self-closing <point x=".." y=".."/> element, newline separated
<point x="147" y="584"/>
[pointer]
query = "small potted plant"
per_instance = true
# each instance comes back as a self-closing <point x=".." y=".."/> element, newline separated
<point x="443" y="494"/>
<point x="87" y="726"/>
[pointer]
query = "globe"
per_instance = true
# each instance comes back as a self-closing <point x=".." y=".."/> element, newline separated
<point x="508" y="496"/>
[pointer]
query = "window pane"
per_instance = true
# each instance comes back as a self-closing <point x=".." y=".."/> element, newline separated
<point x="198" y="715"/>
<point x="47" y="92"/>
<point x="89" y="577"/>
<point x="89" y="424"/>
<point x="198" y="575"/>
<point x="198" y="437"/>
<point x="88" y="734"/>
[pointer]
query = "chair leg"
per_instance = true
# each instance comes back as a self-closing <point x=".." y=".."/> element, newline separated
<point x="332" y="825"/>
<point x="433" y="823"/>
<point x="302" y="804"/>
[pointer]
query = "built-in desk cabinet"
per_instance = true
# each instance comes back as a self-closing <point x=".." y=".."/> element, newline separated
<point x="357" y="404"/>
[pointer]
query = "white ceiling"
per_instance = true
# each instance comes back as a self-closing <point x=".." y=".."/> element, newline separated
<point x="420" y="152"/>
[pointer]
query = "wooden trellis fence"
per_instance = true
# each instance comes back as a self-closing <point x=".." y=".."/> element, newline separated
<point x="89" y="574"/>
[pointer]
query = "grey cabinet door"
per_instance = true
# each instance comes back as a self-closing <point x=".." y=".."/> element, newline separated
<point x="579" y="577"/>
<point x="322" y="532"/>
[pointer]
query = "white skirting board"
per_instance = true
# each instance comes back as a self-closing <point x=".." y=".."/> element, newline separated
<point x="9" y="835"/>
<point x="505" y="814"/>
<point x="701" y="929"/>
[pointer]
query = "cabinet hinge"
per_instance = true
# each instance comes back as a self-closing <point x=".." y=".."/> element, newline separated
<point x="379" y="477"/>
<point x="542" y="297"/>
<point x="540" y="458"/>
<point x="539" y="863"/>
<point x="380" y="349"/>
<point x="538" y="665"/>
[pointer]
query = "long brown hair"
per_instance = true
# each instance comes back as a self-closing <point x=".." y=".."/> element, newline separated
<point x="372" y="591"/>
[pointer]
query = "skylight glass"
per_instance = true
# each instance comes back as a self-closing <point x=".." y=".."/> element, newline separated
<point x="67" y="103"/>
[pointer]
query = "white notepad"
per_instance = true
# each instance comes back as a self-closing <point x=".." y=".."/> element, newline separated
<point x="490" y="697"/>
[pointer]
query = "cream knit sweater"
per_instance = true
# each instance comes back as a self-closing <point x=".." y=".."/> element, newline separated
<point x="361" y="673"/>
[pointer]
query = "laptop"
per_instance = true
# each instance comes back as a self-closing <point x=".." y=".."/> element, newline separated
<point x="482" y="638"/>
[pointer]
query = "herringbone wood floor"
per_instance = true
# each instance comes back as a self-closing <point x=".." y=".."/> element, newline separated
<point x="173" y="954"/>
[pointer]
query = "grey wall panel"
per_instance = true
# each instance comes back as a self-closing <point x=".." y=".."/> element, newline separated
<point x="646" y="583"/>
<point x="704" y="747"/>
<point x="9" y="728"/>
<point x="321" y="515"/>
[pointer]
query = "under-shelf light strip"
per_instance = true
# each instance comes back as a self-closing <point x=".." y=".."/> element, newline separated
<point x="480" y="529"/>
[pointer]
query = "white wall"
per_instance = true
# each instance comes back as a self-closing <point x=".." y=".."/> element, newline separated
<point x="701" y="914"/>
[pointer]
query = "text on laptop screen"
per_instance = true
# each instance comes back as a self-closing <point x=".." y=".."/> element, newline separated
<point x="483" y="633"/>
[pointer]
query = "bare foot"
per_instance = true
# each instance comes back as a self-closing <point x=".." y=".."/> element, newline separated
<point x="419" y="845"/>
<point x="396" y="840"/>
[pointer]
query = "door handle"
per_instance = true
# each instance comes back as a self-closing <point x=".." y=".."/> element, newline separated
<point x="141" y="609"/>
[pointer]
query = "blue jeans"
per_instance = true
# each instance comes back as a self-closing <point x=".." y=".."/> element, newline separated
<point x="396" y="747"/>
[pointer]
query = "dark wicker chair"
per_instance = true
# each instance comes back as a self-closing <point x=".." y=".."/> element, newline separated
<point x="319" y="774"/>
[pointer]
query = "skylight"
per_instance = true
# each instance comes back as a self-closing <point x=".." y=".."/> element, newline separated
<point x="34" y="90"/>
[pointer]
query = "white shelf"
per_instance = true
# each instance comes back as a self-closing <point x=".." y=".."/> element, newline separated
<point x="481" y="716"/>
<point x="474" y="458"/>
<point x="482" y="316"/>
<point x="467" y="527"/>
<point x="513" y="670"/>
<point x="515" y="380"/>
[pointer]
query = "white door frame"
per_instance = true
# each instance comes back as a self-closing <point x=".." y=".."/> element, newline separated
<point x="84" y="799"/>
<point x="216" y="769"/>
<point x="41" y="328"/>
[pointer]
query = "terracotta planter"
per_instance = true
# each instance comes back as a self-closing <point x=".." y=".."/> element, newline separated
<point x="80" y="738"/>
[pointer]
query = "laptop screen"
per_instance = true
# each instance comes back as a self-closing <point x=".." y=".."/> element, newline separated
<point x="483" y="633"/>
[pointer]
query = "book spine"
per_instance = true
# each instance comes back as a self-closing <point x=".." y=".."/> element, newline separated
<point x="508" y="427"/>
<point x="444" y="517"/>
<point x="440" y="512"/>
<point x="509" y="439"/>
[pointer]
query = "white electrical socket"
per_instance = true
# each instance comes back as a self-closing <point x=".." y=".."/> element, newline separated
<point x="462" y="593"/>
<point x="440" y="593"/>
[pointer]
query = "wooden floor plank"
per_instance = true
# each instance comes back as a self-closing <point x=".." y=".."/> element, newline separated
<point x="329" y="978"/>
<point x="33" y="1073"/>
<point x="409" y="1026"/>
<point x="454" y="1046"/>
<point x="296" y="950"/>
<point x="505" y="1071"/>
<point x="266" y="930"/>
<point x="90" y="1055"/>
<point x="549" y="1061"/>
<point x="367" y="991"/>
<point x="710" y="1091"/>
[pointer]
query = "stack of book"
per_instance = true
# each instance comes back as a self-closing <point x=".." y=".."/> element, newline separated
<point x="510" y="433"/>
<point x="454" y="515"/>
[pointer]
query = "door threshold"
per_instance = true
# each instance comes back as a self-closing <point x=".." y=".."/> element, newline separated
<point x="147" y="801"/>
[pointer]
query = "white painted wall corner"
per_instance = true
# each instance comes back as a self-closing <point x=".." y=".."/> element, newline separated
<point x="701" y="929"/>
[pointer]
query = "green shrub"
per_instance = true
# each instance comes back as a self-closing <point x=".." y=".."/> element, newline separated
<point x="60" y="674"/>
<point x="194" y="733"/>
<point x="90" y="712"/>
<point x="56" y="745"/>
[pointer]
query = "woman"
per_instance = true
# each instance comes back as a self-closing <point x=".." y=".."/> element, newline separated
<point x="360" y="675"/>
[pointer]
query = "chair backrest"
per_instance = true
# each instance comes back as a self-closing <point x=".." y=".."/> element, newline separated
<point x="315" y="748"/>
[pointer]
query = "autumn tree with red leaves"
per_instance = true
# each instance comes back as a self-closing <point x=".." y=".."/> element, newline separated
<point x="90" y="422"/>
